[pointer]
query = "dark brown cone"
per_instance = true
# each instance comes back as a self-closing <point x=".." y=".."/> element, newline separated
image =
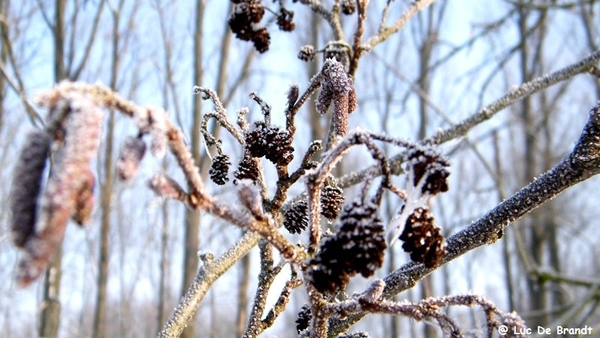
<point x="357" y="247"/>
<point x="423" y="239"/>
<point x="348" y="7"/>
<point x="304" y="318"/>
<point x="279" y="150"/>
<point x="431" y="165"/>
<point x="296" y="217"/>
<point x="26" y="187"/>
<point x="332" y="201"/>
<point x="256" y="140"/>
<point x="247" y="169"/>
<point x="285" y="20"/>
<point x="219" y="169"/>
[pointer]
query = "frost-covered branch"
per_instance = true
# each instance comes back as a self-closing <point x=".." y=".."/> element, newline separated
<point x="582" y="163"/>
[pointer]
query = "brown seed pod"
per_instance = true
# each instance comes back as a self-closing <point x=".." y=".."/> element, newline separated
<point x="423" y="239"/>
<point x="295" y="219"/>
<point x="219" y="169"/>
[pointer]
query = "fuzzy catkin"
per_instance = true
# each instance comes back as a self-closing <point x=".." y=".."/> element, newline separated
<point x="26" y="187"/>
<point x="60" y="197"/>
<point x="131" y="155"/>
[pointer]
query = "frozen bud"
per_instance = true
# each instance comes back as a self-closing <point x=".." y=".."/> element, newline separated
<point x="219" y="169"/>
<point x="295" y="219"/>
<point x="307" y="53"/>
<point x="26" y="186"/>
<point x="158" y="130"/>
<point x="166" y="187"/>
<point x="131" y="155"/>
<point x="423" y="239"/>
<point x="338" y="88"/>
<point x="250" y="196"/>
<point x="332" y="201"/>
<point x="292" y="95"/>
<point x="84" y="204"/>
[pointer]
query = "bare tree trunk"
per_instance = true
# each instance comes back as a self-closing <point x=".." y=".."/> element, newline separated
<point x="243" y="286"/>
<point x="50" y="314"/>
<point x="429" y="22"/>
<point x="106" y="192"/>
<point x="164" y="265"/>
<point x="192" y="219"/>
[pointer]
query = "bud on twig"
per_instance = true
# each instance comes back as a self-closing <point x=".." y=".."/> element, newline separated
<point x="131" y="155"/>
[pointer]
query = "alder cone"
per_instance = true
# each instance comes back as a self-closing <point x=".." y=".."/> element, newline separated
<point x="296" y="217"/>
<point x="357" y="247"/>
<point x="332" y="201"/>
<point x="247" y="169"/>
<point x="423" y="239"/>
<point x="219" y="169"/>
<point x="273" y="142"/>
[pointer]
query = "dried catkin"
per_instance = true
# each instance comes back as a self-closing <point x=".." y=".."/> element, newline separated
<point x="60" y="197"/>
<point x="27" y="181"/>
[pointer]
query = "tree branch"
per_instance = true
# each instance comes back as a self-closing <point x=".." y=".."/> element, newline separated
<point x="582" y="163"/>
